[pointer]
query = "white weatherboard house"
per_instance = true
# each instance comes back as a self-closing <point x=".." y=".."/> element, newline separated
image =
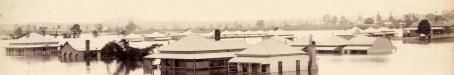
<point x="269" y="56"/>
<point x="30" y="44"/>
<point x="368" y="45"/>
<point x="193" y="53"/>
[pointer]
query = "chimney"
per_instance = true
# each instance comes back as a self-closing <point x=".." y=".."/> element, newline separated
<point x="312" y="56"/>
<point x="217" y="35"/>
<point x="87" y="46"/>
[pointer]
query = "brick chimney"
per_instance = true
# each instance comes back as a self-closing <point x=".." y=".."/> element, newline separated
<point x="87" y="46"/>
<point x="217" y="35"/>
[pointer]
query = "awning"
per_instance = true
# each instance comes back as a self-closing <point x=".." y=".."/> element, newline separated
<point x="356" y="47"/>
<point x="191" y="56"/>
<point x="262" y="60"/>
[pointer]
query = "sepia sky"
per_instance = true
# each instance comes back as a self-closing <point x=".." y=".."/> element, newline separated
<point x="93" y="11"/>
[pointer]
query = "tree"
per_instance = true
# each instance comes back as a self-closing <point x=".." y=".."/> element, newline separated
<point x="424" y="27"/>
<point x="42" y="30"/>
<point x="260" y="23"/>
<point x="334" y="20"/>
<point x="18" y="32"/>
<point x="360" y="18"/>
<point x="75" y="29"/>
<point x="408" y="21"/>
<point x="327" y="19"/>
<point x="130" y="27"/>
<point x="430" y="16"/>
<point x="369" y="21"/>
<point x="343" y="20"/>
<point x="95" y="33"/>
<point x="99" y="28"/>
<point x="379" y="19"/>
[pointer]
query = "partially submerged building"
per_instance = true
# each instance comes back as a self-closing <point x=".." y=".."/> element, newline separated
<point x="197" y="55"/>
<point x="368" y="45"/>
<point x="269" y="56"/>
<point x="32" y="44"/>
<point x="79" y="47"/>
<point x="332" y="45"/>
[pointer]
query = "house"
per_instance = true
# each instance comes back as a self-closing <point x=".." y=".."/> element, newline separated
<point x="32" y="44"/>
<point x="156" y="36"/>
<point x="332" y="45"/>
<point x="269" y="56"/>
<point x="368" y="45"/>
<point x="440" y="29"/>
<point x="77" y="47"/>
<point x="193" y="53"/>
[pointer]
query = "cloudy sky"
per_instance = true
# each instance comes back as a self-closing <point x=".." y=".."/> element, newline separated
<point x="93" y="11"/>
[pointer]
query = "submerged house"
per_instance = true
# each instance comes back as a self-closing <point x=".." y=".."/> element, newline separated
<point x="440" y="29"/>
<point x="197" y="55"/>
<point x="368" y="45"/>
<point x="156" y="36"/>
<point x="332" y="45"/>
<point x="79" y="47"/>
<point x="32" y="44"/>
<point x="269" y="56"/>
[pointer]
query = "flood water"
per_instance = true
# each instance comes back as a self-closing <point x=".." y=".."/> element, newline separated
<point x="435" y="58"/>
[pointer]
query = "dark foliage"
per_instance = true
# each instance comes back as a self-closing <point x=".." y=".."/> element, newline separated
<point x="123" y="51"/>
<point x="424" y="27"/>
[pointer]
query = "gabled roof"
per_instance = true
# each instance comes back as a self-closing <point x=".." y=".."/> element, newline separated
<point x="333" y="40"/>
<point x="95" y="43"/>
<point x="362" y="40"/>
<point x="191" y="43"/>
<point x="155" y="34"/>
<point x="270" y="47"/>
